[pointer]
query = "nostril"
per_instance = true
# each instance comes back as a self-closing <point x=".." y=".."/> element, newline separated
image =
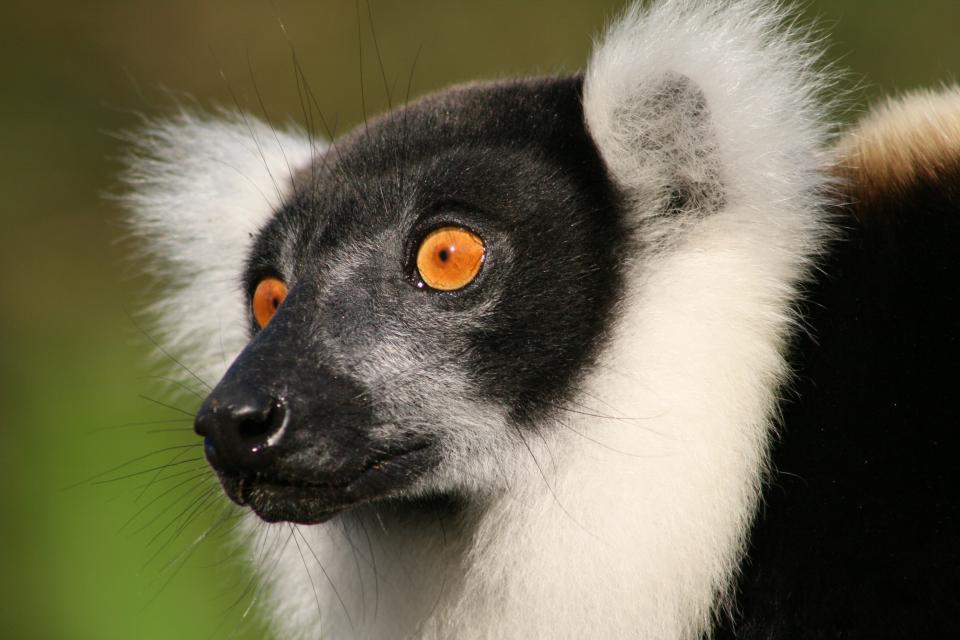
<point x="263" y="425"/>
<point x="241" y="428"/>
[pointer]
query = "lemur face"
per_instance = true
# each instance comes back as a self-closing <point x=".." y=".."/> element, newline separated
<point x="394" y="366"/>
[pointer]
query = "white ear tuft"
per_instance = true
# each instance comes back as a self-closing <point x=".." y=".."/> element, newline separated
<point x="716" y="93"/>
<point x="199" y="190"/>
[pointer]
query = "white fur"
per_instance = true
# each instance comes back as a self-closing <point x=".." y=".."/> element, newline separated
<point x="200" y="188"/>
<point x="628" y="518"/>
<point x="698" y="360"/>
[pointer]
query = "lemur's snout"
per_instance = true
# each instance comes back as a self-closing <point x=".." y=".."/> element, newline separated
<point x="241" y="427"/>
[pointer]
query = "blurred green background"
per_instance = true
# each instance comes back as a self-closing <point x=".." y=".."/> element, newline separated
<point x="85" y="562"/>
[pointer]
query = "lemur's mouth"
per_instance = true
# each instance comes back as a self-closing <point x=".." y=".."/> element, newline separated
<point x="311" y="502"/>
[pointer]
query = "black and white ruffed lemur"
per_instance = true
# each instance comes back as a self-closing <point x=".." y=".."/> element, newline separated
<point x="642" y="352"/>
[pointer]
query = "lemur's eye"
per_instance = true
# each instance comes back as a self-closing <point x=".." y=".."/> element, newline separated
<point x="267" y="299"/>
<point x="449" y="258"/>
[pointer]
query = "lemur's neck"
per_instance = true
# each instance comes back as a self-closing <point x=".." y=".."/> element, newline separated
<point x="388" y="571"/>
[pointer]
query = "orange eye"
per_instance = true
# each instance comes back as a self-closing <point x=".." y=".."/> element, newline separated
<point x="267" y="299"/>
<point x="449" y="258"/>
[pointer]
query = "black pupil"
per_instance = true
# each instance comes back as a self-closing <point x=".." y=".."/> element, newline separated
<point x="444" y="255"/>
<point x="276" y="302"/>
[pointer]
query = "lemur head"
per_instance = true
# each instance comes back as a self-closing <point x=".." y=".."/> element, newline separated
<point x="414" y="304"/>
<point x="431" y="289"/>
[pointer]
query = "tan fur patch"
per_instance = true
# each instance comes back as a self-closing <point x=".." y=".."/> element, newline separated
<point x="902" y="143"/>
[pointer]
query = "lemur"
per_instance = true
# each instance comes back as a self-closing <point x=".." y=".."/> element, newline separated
<point x="639" y="352"/>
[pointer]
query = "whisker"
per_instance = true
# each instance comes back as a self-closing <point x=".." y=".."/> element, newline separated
<point x="633" y="422"/>
<point x="363" y="99"/>
<point x="179" y="430"/>
<point x="307" y="115"/>
<point x="266" y="116"/>
<point x="176" y="383"/>
<point x="373" y="564"/>
<point x="550" y="487"/>
<point x="197" y="510"/>
<point x="187" y="553"/>
<point x="192" y="504"/>
<point x="376" y="47"/>
<point x="171" y="476"/>
<point x="126" y="464"/>
<point x="165" y="405"/>
<point x="238" y="521"/>
<point x="142" y="423"/>
<point x="332" y="585"/>
<point x="604" y="445"/>
<point x="316" y="596"/>
<point x="261" y="585"/>
<point x="418" y="632"/>
<point x="223" y="353"/>
<point x="403" y="149"/>
<point x="140" y="473"/>
<point x="356" y="564"/>
<point x="253" y="134"/>
<point x="157" y="474"/>
<point x="331" y="133"/>
<point x="166" y="353"/>
<point x="196" y="475"/>
<point x="252" y="583"/>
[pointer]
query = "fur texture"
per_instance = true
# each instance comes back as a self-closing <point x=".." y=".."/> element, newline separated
<point x="900" y="143"/>
<point x="200" y="188"/>
<point x="858" y="535"/>
<point x="628" y="517"/>
<point x="699" y="358"/>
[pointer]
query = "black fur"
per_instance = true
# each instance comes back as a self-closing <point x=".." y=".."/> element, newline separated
<point x="859" y="534"/>
<point x="513" y="162"/>
<point x="551" y="208"/>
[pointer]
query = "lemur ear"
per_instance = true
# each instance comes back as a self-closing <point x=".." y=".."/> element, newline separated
<point x="696" y="105"/>
<point x="660" y="144"/>
<point x="198" y="189"/>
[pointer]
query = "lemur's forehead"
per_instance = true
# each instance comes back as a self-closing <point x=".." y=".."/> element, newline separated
<point x="522" y="113"/>
<point x="493" y="150"/>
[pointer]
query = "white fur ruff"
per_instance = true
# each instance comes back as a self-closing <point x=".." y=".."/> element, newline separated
<point x="200" y="189"/>
<point x="629" y="518"/>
